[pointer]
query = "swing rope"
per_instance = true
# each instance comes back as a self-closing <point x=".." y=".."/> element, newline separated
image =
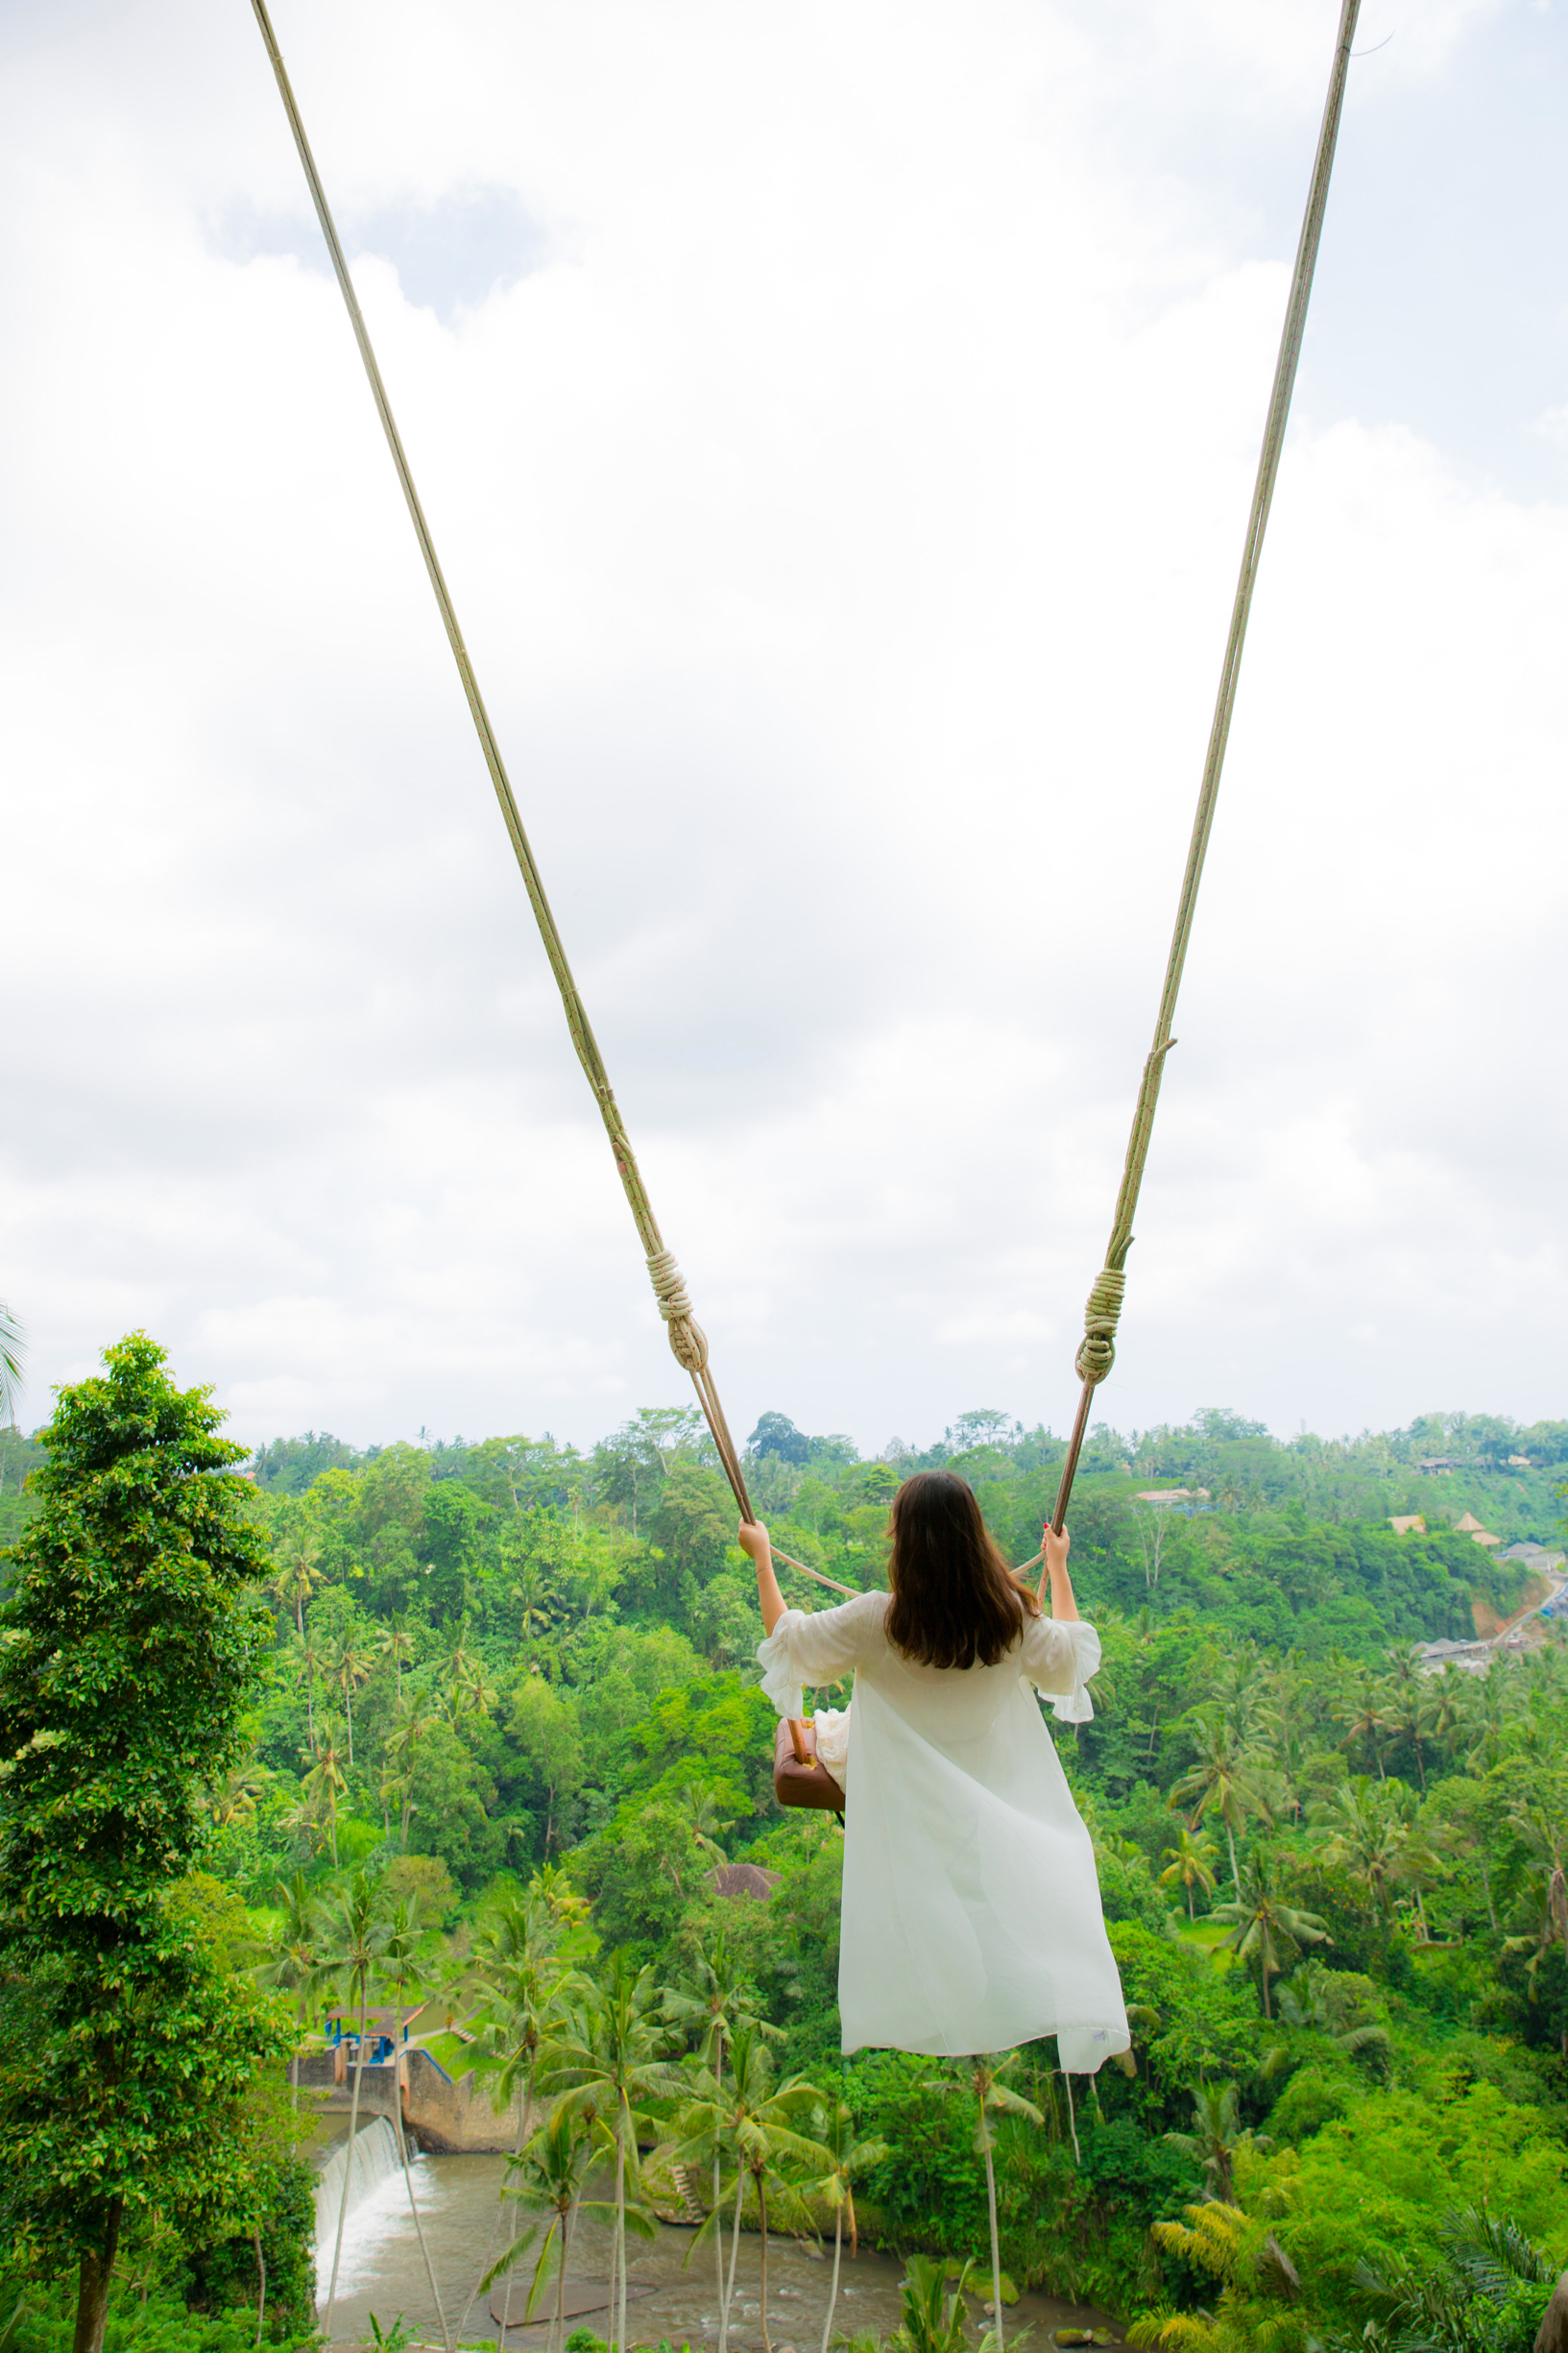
<point x="688" y="1344"/>
<point x="688" y="1341"/>
<point x="1096" y="1350"/>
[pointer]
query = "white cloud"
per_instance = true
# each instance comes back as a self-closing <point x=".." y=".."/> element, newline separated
<point x="842" y="507"/>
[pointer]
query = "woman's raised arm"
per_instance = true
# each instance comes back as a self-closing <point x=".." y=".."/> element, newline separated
<point x="1062" y="1603"/>
<point x="752" y="1538"/>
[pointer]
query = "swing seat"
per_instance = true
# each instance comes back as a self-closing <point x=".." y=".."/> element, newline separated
<point x="798" y="1777"/>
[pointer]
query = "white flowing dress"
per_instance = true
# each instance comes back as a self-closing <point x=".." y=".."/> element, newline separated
<point x="971" y="1918"/>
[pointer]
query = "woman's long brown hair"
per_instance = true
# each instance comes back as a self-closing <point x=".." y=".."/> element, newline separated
<point x="953" y="1602"/>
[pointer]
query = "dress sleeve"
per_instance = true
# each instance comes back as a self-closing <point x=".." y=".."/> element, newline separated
<point x="1059" y="1658"/>
<point x="817" y="1647"/>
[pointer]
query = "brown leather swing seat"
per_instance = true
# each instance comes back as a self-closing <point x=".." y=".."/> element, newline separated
<point x="799" y="1779"/>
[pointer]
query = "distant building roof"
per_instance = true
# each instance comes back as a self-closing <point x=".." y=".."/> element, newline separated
<point x="1471" y="1527"/>
<point x="1174" y="1495"/>
<point x="1412" y="1524"/>
<point x="742" y="1880"/>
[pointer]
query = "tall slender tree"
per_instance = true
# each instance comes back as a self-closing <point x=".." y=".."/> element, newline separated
<point x="1224" y="1780"/>
<point x="549" y="2178"/>
<point x="296" y="1575"/>
<point x="130" y="1647"/>
<point x="847" y="2159"/>
<point x="759" y="2122"/>
<point x="718" y="2003"/>
<point x="400" y="1970"/>
<point x="349" y="1662"/>
<point x="324" y="1785"/>
<point x="357" y="1931"/>
<point x="293" y="1960"/>
<point x="1263" y="1927"/>
<point x="995" y="2097"/>
<point x="525" y="1956"/>
<point x="1188" y="1865"/>
<point x="615" y="2057"/>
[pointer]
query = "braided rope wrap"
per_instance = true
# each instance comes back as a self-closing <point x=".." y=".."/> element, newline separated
<point x="1102" y="1311"/>
<point x="688" y="1343"/>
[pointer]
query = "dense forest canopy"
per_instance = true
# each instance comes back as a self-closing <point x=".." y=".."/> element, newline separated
<point x="1335" y="1881"/>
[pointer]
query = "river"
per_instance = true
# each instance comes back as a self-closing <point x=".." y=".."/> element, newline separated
<point x="382" y="2272"/>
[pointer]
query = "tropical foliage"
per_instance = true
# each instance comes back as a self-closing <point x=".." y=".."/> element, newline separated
<point x="512" y="1731"/>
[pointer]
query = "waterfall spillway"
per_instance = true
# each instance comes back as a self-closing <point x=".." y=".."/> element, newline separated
<point x="367" y="2159"/>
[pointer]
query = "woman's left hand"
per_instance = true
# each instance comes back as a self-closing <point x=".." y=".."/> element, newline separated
<point x="752" y="1538"/>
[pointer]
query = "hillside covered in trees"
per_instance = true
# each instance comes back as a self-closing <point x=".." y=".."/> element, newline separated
<point x="1335" y="1882"/>
<point x="548" y="1657"/>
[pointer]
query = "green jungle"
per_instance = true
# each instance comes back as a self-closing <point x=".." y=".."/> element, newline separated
<point x="477" y="1724"/>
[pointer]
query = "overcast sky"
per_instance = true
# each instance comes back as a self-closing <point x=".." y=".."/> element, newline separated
<point x="838" y="423"/>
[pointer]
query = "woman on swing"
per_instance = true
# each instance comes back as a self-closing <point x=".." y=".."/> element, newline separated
<point x="971" y="1918"/>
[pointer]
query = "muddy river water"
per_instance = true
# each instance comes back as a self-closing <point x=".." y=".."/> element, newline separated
<point x="674" y="2290"/>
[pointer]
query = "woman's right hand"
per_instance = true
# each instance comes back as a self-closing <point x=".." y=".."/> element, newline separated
<point x="752" y="1538"/>
<point x="1057" y="1549"/>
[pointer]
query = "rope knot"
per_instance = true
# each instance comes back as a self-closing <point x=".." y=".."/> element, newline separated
<point x="1102" y="1310"/>
<point x="688" y="1344"/>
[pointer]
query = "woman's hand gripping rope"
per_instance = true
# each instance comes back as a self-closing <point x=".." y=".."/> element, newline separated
<point x="1053" y="1550"/>
<point x="752" y="1538"/>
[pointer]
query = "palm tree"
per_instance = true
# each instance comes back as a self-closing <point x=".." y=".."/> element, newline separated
<point x="1364" y="1713"/>
<point x="400" y="1970"/>
<point x="1546" y="1837"/>
<point x="397" y="1645"/>
<point x="547" y="2177"/>
<point x="234" y="1800"/>
<point x="1222" y="1780"/>
<point x="534" y="1594"/>
<point x="1188" y="1862"/>
<point x="478" y="1694"/>
<point x="1365" y="1827"/>
<point x="1264" y="1926"/>
<point x="1407" y="1706"/>
<point x="720" y="2003"/>
<point x="12" y="1349"/>
<point x="697" y="1803"/>
<point x="933" y="2308"/>
<point x="847" y="2157"/>
<point x="1241" y="1688"/>
<point x="303" y="1654"/>
<point x="1465" y="2298"/>
<point x="996" y="2097"/>
<point x="413" y="1720"/>
<point x="324" y="1785"/>
<point x="1448" y="1717"/>
<point x="524" y="1955"/>
<point x="349" y="1663"/>
<point x="392" y="1788"/>
<point x="293" y="1958"/>
<point x="1325" y="2001"/>
<point x="466" y="1685"/>
<point x="357" y="1934"/>
<point x="1216" y="2137"/>
<point x="296" y="1576"/>
<point x="612" y="2054"/>
<point x="757" y="2122"/>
